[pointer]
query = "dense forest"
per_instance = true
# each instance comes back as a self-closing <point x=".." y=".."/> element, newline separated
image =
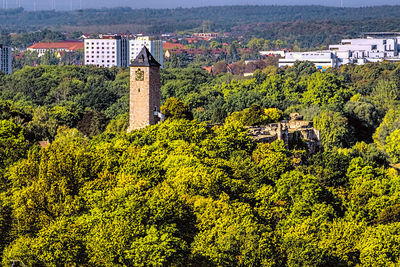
<point x="187" y="193"/>
<point x="308" y="26"/>
<point x="221" y="16"/>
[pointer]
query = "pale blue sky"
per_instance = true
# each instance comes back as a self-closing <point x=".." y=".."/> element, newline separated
<point x="66" y="4"/>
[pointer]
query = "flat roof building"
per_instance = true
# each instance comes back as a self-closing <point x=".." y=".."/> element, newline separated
<point x="362" y="50"/>
<point x="376" y="47"/>
<point x="322" y="59"/>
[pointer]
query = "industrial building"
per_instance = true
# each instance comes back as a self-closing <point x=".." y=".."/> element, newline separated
<point x="375" y="47"/>
<point x="322" y="59"/>
<point x="360" y="51"/>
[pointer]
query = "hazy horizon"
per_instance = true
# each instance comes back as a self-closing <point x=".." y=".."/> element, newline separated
<point x="77" y="4"/>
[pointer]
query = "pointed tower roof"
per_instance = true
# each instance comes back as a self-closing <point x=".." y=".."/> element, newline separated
<point x="145" y="59"/>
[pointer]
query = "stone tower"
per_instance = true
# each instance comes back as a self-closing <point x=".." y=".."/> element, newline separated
<point x="145" y="96"/>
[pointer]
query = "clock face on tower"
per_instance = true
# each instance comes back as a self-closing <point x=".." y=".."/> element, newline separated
<point x="139" y="75"/>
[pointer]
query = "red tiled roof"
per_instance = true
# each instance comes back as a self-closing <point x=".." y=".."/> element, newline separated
<point x="194" y="51"/>
<point x="208" y="69"/>
<point x="70" y="45"/>
<point x="168" y="45"/>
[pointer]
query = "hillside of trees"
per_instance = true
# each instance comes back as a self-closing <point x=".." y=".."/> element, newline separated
<point x="308" y="26"/>
<point x="221" y="16"/>
<point x="186" y="193"/>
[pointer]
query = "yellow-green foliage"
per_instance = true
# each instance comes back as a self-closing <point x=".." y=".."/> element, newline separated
<point x="272" y="115"/>
<point x="255" y="115"/>
<point x="189" y="193"/>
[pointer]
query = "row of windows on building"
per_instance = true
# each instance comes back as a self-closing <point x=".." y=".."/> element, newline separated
<point x="103" y="61"/>
<point x="102" y="43"/>
<point x="87" y="56"/>
<point x="98" y="52"/>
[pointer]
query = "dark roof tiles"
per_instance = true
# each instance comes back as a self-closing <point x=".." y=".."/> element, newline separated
<point x="145" y="59"/>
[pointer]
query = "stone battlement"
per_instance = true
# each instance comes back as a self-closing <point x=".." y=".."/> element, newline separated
<point x="289" y="132"/>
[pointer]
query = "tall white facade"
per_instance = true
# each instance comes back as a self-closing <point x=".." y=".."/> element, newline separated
<point x="5" y="59"/>
<point x="117" y="51"/>
<point x="102" y="52"/>
<point x="154" y="46"/>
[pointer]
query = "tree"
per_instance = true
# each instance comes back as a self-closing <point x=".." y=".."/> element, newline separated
<point x="256" y="43"/>
<point x="272" y="115"/>
<point x="230" y="235"/>
<point x="43" y="126"/>
<point x="334" y="130"/>
<point x="380" y="245"/>
<point x="49" y="58"/>
<point x="215" y="44"/>
<point x="385" y="95"/>
<point x="392" y="146"/>
<point x="390" y="123"/>
<point x="324" y="89"/>
<point x="233" y="54"/>
<point x="363" y="116"/>
<point x="175" y="109"/>
<point x="13" y="147"/>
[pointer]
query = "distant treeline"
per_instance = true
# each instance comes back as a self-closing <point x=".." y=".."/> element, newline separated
<point x="161" y="20"/>
<point x="305" y="26"/>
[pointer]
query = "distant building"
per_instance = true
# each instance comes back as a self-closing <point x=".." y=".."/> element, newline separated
<point x="65" y="46"/>
<point x="193" y="52"/>
<point x="273" y="53"/>
<point x="154" y="46"/>
<point x="360" y="51"/>
<point x="105" y="52"/>
<point x="169" y="45"/>
<point x="322" y="59"/>
<point x="206" y="35"/>
<point x="5" y="59"/>
<point x="119" y="50"/>
<point x="376" y="47"/>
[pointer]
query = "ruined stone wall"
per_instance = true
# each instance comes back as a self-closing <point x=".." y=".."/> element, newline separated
<point x="287" y="131"/>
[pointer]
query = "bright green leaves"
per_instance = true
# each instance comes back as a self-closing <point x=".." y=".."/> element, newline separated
<point x="392" y="145"/>
<point x="381" y="245"/>
<point x="255" y="115"/>
<point x="325" y="89"/>
<point x="230" y="234"/>
<point x="175" y="109"/>
<point x="390" y="123"/>
<point x="13" y="145"/>
<point x="334" y="129"/>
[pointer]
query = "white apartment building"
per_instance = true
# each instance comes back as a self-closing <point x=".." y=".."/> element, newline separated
<point x="5" y="59"/>
<point x="119" y="51"/>
<point x="103" y="52"/>
<point x="154" y="46"/>
<point x="322" y="59"/>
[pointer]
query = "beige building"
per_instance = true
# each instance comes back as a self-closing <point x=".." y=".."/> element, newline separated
<point x="145" y="95"/>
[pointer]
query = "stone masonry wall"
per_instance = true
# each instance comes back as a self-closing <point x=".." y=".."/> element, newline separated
<point x="144" y="97"/>
<point x="287" y="131"/>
